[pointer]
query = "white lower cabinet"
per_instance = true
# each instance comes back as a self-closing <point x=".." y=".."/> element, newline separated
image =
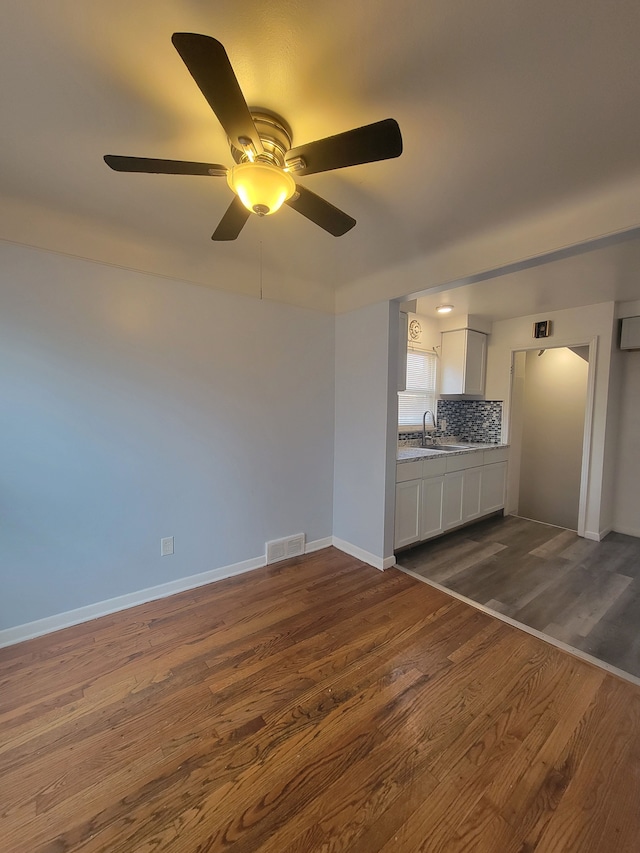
<point x="494" y="483"/>
<point x="439" y="494"/>
<point x="408" y="514"/>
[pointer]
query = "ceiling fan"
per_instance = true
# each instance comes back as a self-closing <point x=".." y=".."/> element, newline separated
<point x="260" y="142"/>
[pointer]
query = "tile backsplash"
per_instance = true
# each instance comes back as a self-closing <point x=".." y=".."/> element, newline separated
<point x="473" y="420"/>
<point x="470" y="420"/>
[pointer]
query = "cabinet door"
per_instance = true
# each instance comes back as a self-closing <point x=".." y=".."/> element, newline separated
<point x="452" y="362"/>
<point x="407" y="528"/>
<point x="471" y="481"/>
<point x="452" y="500"/>
<point x="475" y="356"/>
<point x="462" y="362"/>
<point x="431" y="509"/>
<point x="493" y="487"/>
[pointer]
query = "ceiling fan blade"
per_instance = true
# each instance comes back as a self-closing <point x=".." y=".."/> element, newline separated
<point x="232" y="222"/>
<point x="162" y="167"/>
<point x="379" y="141"/>
<point x="209" y="66"/>
<point x="318" y="210"/>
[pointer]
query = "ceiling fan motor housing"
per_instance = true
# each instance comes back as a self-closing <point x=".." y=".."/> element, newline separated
<point x="275" y="135"/>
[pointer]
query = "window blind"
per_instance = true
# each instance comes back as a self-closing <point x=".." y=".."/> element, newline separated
<point x="421" y="389"/>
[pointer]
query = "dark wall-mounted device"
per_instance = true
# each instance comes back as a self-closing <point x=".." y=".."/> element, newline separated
<point x="542" y="329"/>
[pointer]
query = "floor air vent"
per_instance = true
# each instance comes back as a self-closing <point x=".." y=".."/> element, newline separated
<point x="282" y="549"/>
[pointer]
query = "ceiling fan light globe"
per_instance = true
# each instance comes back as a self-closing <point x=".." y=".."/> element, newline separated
<point x="261" y="187"/>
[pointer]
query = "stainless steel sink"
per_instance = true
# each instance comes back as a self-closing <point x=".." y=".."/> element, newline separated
<point x="450" y="447"/>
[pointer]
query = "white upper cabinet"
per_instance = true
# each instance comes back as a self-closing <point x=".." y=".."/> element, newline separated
<point x="462" y="362"/>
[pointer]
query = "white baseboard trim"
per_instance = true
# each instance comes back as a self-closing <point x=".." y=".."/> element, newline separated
<point x="360" y="554"/>
<point x="318" y="544"/>
<point x="597" y="536"/>
<point x="628" y="531"/>
<point x="19" y="633"/>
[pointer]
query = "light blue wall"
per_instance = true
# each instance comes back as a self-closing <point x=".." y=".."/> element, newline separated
<point x="366" y="428"/>
<point x="133" y="408"/>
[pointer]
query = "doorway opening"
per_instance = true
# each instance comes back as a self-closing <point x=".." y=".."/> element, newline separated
<point x="549" y="435"/>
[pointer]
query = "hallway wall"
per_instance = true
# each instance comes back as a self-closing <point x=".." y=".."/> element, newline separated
<point x="627" y="476"/>
<point x="575" y="327"/>
<point x="553" y="406"/>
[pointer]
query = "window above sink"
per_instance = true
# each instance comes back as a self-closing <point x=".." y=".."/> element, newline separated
<point x="420" y="394"/>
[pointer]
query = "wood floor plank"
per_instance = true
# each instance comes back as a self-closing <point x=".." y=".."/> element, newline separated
<point x="248" y="797"/>
<point x="460" y="559"/>
<point x="583" y="614"/>
<point x="398" y="770"/>
<point x="591" y="765"/>
<point x="556" y="544"/>
<point x="318" y="705"/>
<point x="528" y="792"/>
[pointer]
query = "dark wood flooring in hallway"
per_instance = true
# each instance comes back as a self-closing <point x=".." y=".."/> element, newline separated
<point x="583" y="593"/>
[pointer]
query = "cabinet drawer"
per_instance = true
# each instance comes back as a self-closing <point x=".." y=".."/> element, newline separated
<point x="409" y="471"/>
<point x="500" y="454"/>
<point x="434" y="467"/>
<point x="465" y="460"/>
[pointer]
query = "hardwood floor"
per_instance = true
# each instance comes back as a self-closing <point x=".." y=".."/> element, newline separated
<point x="315" y="705"/>
<point x="583" y="593"/>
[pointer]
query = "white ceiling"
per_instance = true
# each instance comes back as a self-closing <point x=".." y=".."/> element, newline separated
<point x="506" y="107"/>
<point x="608" y="274"/>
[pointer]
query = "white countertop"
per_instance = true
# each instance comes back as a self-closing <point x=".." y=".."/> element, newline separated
<point x="407" y="454"/>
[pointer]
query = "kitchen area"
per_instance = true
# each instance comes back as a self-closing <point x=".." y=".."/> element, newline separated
<point x="451" y="466"/>
<point x="468" y="470"/>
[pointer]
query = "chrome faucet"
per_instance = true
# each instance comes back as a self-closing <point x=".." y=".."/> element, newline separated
<point x="424" y="426"/>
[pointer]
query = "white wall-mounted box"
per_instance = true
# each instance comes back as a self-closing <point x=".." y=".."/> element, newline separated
<point x="630" y="333"/>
